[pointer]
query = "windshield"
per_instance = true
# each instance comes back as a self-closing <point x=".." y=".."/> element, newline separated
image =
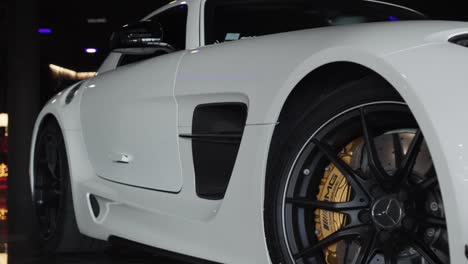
<point x="230" y="20"/>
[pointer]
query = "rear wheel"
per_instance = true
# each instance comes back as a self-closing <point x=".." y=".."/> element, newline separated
<point x="52" y="196"/>
<point x="355" y="183"/>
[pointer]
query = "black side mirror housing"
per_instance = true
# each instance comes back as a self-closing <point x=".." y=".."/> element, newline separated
<point x="144" y="37"/>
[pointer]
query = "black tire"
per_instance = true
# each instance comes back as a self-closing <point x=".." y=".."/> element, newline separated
<point x="56" y="228"/>
<point x="287" y="149"/>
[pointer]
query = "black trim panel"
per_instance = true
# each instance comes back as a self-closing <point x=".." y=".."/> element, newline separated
<point x="118" y="241"/>
<point x="94" y="205"/>
<point x="215" y="138"/>
<point x="217" y="131"/>
<point x="461" y="40"/>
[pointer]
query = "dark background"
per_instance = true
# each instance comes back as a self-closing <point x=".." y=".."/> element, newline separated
<point x="26" y="82"/>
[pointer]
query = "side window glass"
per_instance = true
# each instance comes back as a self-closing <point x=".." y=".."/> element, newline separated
<point x="173" y="22"/>
<point x="174" y="25"/>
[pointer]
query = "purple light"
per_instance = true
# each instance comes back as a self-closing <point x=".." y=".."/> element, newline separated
<point x="392" y="18"/>
<point x="44" y="31"/>
<point x="91" y="50"/>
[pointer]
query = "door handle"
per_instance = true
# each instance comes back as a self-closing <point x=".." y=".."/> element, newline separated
<point x="122" y="158"/>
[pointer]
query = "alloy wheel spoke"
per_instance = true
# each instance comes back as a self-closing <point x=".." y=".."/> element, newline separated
<point x="434" y="221"/>
<point x="353" y="178"/>
<point x="324" y="205"/>
<point x="425" y="251"/>
<point x="341" y="235"/>
<point x="52" y="167"/>
<point x="51" y="156"/>
<point x="368" y="248"/>
<point x="377" y="170"/>
<point x="408" y="162"/>
<point x="429" y="182"/>
<point x="389" y="255"/>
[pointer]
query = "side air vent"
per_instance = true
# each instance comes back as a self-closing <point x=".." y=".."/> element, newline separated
<point x="461" y="40"/>
<point x="71" y="94"/>
<point x="217" y="131"/>
<point x="94" y="205"/>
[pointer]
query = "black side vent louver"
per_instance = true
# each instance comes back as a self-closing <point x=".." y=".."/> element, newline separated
<point x="461" y="40"/>
<point x="217" y="131"/>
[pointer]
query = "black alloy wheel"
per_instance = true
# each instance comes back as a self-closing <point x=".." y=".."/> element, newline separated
<point x="361" y="188"/>
<point x="50" y="170"/>
<point x="55" y="229"/>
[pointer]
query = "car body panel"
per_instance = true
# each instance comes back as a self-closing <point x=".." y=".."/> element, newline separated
<point x="204" y="70"/>
<point x="129" y="122"/>
<point x="439" y="105"/>
<point x="414" y="57"/>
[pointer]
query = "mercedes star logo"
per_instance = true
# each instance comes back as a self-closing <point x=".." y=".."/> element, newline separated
<point x="387" y="212"/>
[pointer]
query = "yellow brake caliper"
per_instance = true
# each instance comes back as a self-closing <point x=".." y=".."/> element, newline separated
<point x="333" y="188"/>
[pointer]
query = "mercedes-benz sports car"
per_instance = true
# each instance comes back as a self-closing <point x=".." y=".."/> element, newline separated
<point x="268" y="131"/>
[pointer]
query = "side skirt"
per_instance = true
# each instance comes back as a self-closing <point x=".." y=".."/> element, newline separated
<point x="115" y="240"/>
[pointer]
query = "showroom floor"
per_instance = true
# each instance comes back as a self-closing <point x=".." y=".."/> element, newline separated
<point x="100" y="259"/>
<point x="123" y="255"/>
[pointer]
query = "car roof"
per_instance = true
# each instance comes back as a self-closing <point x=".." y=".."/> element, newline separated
<point x="201" y="2"/>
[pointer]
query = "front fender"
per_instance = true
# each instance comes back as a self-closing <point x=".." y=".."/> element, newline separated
<point x="65" y="114"/>
<point x="68" y="119"/>
<point x="433" y="81"/>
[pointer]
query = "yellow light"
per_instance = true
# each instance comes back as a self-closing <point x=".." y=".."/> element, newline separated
<point x="3" y="120"/>
<point x="67" y="74"/>
<point x="3" y="170"/>
<point x="3" y="215"/>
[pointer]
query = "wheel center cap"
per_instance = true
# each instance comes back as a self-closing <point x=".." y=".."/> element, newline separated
<point x="387" y="212"/>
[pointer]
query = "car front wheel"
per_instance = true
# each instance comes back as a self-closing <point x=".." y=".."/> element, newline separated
<point x="56" y="228"/>
<point x="355" y="183"/>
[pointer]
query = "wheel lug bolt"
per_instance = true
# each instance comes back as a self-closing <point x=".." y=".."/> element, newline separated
<point x="430" y="232"/>
<point x="317" y="232"/>
<point x="434" y="207"/>
<point x="306" y="172"/>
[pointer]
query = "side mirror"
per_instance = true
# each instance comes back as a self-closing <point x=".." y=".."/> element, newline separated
<point x="141" y="38"/>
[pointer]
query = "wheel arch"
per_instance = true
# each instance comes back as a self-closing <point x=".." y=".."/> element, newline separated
<point x="43" y="119"/>
<point x="49" y="117"/>
<point x="319" y="82"/>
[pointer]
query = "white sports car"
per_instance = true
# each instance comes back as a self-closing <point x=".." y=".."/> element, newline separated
<point x="265" y="131"/>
